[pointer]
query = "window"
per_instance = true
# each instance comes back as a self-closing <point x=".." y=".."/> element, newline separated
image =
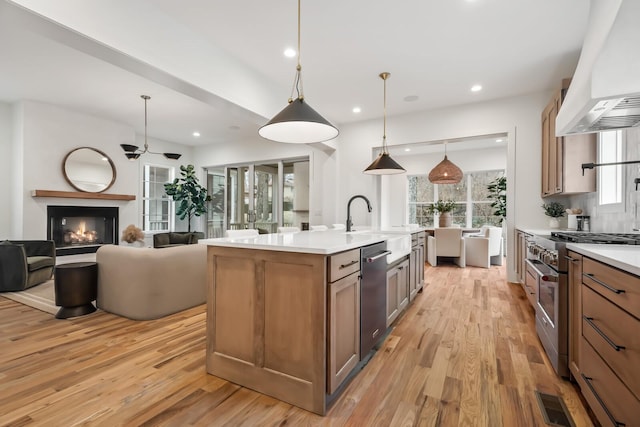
<point x="471" y="196"/>
<point x="610" y="177"/>
<point x="156" y="205"/>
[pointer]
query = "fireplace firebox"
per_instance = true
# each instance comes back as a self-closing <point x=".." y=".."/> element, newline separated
<point x="81" y="229"/>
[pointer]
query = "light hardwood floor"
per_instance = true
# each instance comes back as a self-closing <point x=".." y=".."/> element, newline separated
<point x="465" y="353"/>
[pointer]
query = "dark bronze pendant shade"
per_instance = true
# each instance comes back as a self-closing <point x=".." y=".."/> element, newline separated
<point x="445" y="172"/>
<point x="384" y="164"/>
<point x="298" y="123"/>
<point x="132" y="152"/>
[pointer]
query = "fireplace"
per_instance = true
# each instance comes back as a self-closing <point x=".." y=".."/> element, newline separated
<point x="81" y="229"/>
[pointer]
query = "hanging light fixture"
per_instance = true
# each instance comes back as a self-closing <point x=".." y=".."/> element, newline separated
<point x="298" y="122"/>
<point x="132" y="152"/>
<point x="384" y="164"/>
<point x="445" y="172"/>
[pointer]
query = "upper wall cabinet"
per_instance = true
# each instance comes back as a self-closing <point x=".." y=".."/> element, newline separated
<point x="562" y="157"/>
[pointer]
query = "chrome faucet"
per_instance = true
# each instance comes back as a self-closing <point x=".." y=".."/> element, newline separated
<point x="358" y="196"/>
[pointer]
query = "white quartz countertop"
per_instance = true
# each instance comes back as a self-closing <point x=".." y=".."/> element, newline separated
<point x="314" y="242"/>
<point x="624" y="257"/>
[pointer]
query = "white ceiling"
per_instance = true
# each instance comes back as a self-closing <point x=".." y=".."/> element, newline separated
<point x="435" y="50"/>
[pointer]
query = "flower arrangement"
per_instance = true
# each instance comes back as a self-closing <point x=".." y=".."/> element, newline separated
<point x="132" y="234"/>
<point x="442" y="206"/>
<point x="553" y="209"/>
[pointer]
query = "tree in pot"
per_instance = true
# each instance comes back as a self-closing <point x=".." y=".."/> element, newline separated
<point x="443" y="208"/>
<point x="498" y="193"/>
<point x="191" y="197"/>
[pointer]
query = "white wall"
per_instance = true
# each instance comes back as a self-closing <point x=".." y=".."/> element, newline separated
<point x="44" y="134"/>
<point x="6" y="140"/>
<point x="519" y="117"/>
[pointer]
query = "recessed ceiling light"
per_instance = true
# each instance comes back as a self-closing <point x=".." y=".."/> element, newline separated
<point x="356" y="110"/>
<point x="411" y="98"/>
<point x="196" y="134"/>
<point x="499" y="140"/>
<point x="290" y="52"/>
<point x="476" y="88"/>
<point x="407" y="149"/>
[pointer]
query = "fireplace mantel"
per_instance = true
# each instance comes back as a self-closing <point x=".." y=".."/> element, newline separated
<point x="81" y="195"/>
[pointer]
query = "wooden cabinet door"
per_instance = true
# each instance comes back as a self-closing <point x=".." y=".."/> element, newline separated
<point x="344" y="329"/>
<point x="545" y="186"/>
<point x="393" y="282"/>
<point x="403" y="285"/>
<point x="575" y="313"/>
<point x="414" y="272"/>
<point x="421" y="261"/>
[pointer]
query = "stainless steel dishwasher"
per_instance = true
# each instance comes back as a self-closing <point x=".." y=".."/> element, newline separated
<point x="373" y="296"/>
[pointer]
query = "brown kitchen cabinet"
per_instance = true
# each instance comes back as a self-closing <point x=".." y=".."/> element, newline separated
<point x="344" y="329"/>
<point x="575" y="314"/>
<point x="397" y="290"/>
<point x="416" y="264"/>
<point x="521" y="256"/>
<point x="609" y="350"/>
<point x="562" y="157"/>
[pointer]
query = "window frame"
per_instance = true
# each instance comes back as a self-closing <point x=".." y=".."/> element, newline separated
<point x="616" y="207"/>
<point x="171" y="222"/>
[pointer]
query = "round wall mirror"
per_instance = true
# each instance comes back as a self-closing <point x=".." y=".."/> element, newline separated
<point x="89" y="170"/>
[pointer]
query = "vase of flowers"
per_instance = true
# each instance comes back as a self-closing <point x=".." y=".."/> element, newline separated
<point x="554" y="210"/>
<point x="443" y="208"/>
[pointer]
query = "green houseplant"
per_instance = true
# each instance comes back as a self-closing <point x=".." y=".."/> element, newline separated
<point x="498" y="193"/>
<point x="443" y="208"/>
<point x="191" y="197"/>
<point x="554" y="210"/>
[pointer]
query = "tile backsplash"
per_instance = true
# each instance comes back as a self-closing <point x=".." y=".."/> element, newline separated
<point x="624" y="220"/>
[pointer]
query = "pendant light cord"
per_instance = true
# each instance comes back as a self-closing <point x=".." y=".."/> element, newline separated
<point x="384" y="77"/>
<point x="146" y="145"/>
<point x="297" y="81"/>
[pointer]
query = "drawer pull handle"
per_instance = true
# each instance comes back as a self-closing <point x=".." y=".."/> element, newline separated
<point x="589" y="320"/>
<point x="348" y="264"/>
<point x="588" y="380"/>
<point x="601" y="283"/>
<point x="568" y="258"/>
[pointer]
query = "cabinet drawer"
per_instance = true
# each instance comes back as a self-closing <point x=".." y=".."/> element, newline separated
<point x="607" y="396"/>
<point x="531" y="284"/>
<point x="616" y="285"/>
<point x="343" y="264"/>
<point x="608" y="328"/>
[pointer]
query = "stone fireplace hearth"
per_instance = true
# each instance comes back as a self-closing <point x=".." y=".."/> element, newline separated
<point x="81" y="229"/>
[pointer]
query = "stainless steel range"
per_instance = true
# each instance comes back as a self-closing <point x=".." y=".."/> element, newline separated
<point x="548" y="256"/>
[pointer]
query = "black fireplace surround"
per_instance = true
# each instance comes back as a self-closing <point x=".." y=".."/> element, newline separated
<point x="81" y="229"/>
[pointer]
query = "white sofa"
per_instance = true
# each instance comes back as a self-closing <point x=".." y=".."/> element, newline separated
<point x="147" y="283"/>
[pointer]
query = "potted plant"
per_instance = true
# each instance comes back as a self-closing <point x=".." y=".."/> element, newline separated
<point x="554" y="210"/>
<point x="443" y="208"/>
<point x="192" y="197"/>
<point x="498" y="193"/>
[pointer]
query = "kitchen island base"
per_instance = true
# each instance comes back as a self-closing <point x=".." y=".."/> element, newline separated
<point x="266" y="323"/>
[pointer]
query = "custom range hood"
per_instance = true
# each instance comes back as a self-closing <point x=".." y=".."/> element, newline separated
<point x="605" y="90"/>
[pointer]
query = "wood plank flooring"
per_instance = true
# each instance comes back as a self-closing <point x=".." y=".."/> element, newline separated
<point x="465" y="353"/>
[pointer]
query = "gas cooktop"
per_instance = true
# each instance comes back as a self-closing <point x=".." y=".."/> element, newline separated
<point x="599" y="238"/>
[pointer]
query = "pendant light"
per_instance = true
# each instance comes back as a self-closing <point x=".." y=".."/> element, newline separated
<point x="298" y="123"/>
<point x="384" y="164"/>
<point x="132" y="152"/>
<point x="445" y="172"/>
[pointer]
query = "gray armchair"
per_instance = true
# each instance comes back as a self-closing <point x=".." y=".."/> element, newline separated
<point x="25" y="263"/>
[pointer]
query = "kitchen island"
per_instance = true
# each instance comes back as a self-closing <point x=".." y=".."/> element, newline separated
<point x="283" y="312"/>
